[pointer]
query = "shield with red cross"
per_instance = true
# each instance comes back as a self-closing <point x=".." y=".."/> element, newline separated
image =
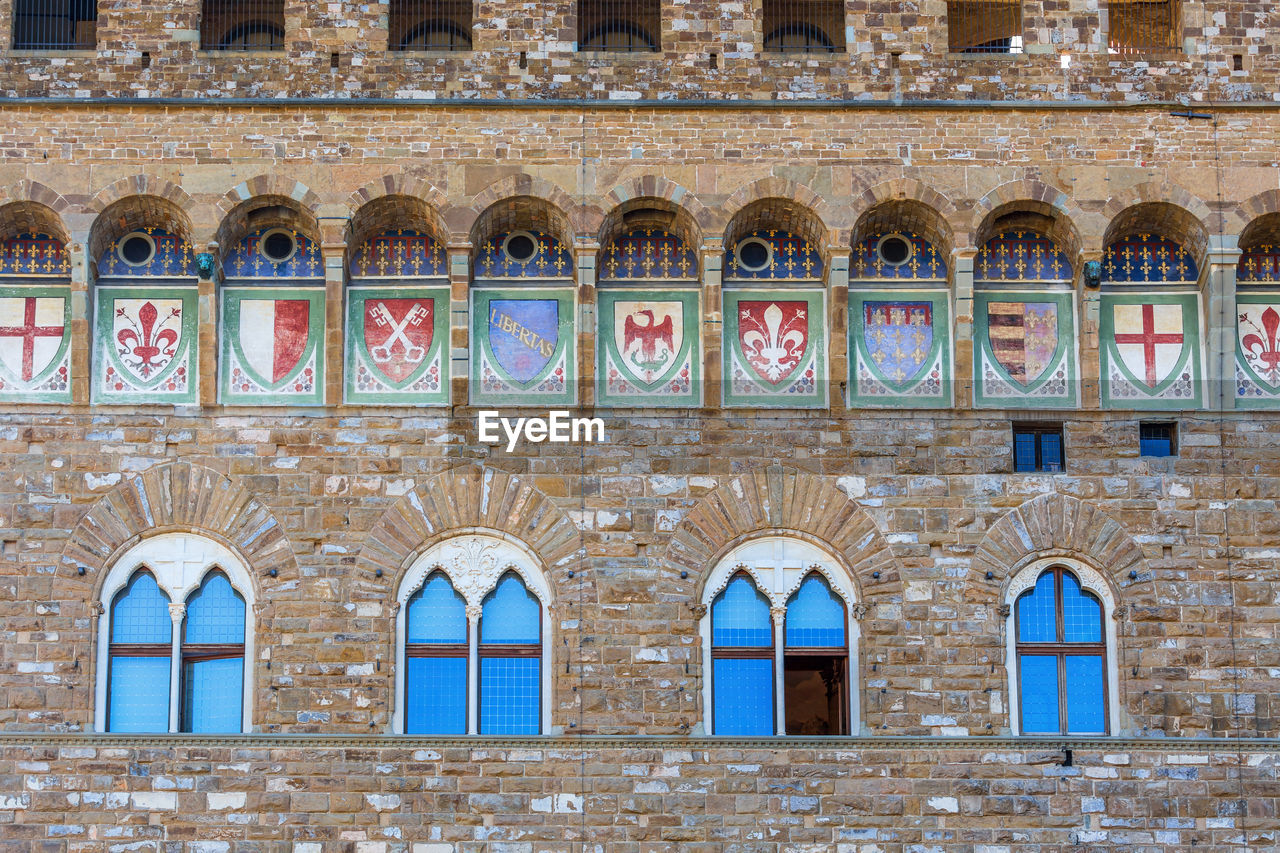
<point x="33" y="333"/>
<point x="1149" y="339"/>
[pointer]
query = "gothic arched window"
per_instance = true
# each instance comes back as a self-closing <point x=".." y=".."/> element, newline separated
<point x="436" y="659"/>
<point x="212" y="657"/>
<point x="141" y="648"/>
<point x="510" y="659"/>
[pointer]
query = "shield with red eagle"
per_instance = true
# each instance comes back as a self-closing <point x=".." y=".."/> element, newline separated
<point x="649" y="336"/>
<point x="398" y="335"/>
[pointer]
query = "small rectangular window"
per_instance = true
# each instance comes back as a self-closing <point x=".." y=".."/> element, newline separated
<point x="804" y="26"/>
<point x="55" y="24"/>
<point x="984" y="26"/>
<point x="242" y="25"/>
<point x="430" y="25"/>
<point x="1038" y="448"/>
<point x="1158" y="439"/>
<point x="626" y="26"/>
<point x="1144" y="27"/>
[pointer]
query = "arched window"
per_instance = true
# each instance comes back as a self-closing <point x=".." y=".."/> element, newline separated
<point x="252" y="35"/>
<point x="619" y="35"/>
<point x="780" y="642"/>
<point x="242" y="25"/>
<point x="174" y="636"/>
<point x="472" y="630"/>
<point x="799" y="37"/>
<point x="619" y="25"/>
<point x="435" y="34"/>
<point x="1063" y="652"/>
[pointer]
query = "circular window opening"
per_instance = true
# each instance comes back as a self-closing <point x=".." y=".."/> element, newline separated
<point x="754" y="254"/>
<point x="895" y="249"/>
<point x="136" y="250"/>
<point x="520" y="247"/>
<point x="277" y="246"/>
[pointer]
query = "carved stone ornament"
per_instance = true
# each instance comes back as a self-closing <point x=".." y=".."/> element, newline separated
<point x="474" y="564"/>
<point x="1004" y="610"/>
<point x="1120" y="613"/>
<point x="859" y="611"/>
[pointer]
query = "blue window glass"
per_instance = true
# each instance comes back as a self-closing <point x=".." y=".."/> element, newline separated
<point x="436" y="696"/>
<point x="1086" y="696"/>
<point x="1039" y="691"/>
<point x="212" y="693"/>
<point x="743" y="696"/>
<point x="215" y="613"/>
<point x="1081" y="613"/>
<point x="815" y="615"/>
<point x="141" y="613"/>
<point x="1050" y="452"/>
<point x="1156" y="439"/>
<point x="511" y="614"/>
<point x="1024" y="451"/>
<point x="740" y="616"/>
<point x="509" y="696"/>
<point x="436" y="614"/>
<point x="139" y="700"/>
<point x="1037" y="613"/>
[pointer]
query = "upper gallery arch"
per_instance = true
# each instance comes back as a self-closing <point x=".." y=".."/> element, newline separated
<point x="775" y="239"/>
<point x="648" y="239"/>
<point x="522" y="237"/>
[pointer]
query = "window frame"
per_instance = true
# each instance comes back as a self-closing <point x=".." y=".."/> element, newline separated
<point x="1172" y="426"/>
<point x="1177" y="32"/>
<point x="180" y="563"/>
<point x="1038" y="429"/>
<point x="1091" y="582"/>
<point x="839" y="652"/>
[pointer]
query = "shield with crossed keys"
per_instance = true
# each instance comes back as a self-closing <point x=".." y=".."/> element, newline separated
<point x="398" y="334"/>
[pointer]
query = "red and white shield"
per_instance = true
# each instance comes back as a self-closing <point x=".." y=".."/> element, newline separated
<point x="774" y="336"/>
<point x="273" y="335"/>
<point x="31" y="333"/>
<point x="1149" y="340"/>
<point x="146" y="334"/>
<point x="398" y="334"/>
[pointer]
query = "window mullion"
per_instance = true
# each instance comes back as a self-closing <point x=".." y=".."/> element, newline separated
<point x="473" y="669"/>
<point x="779" y="677"/>
<point x="177" y="612"/>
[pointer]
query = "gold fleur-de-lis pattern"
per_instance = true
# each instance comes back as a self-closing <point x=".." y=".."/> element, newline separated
<point x="550" y="259"/>
<point x="173" y="258"/>
<point x="1021" y="256"/>
<point x="403" y="253"/>
<point x="30" y="255"/>
<point x="246" y="261"/>
<point x="1148" y="258"/>
<point x="1259" y="265"/>
<point x="647" y="254"/>
<point x="793" y="259"/>
<point x="925" y="264"/>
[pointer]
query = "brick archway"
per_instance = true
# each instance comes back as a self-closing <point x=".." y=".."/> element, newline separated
<point x="821" y="231"/>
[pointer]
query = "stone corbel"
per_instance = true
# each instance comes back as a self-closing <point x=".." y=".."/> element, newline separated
<point x="1004" y="610"/>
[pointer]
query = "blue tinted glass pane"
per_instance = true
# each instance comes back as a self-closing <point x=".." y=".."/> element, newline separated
<point x="215" y="614"/>
<point x="1086" y="709"/>
<point x="740" y="616"/>
<point x="1037" y="613"/>
<point x="1155" y="447"/>
<point x="1024" y="452"/>
<point x="437" y="614"/>
<point x="211" y="695"/>
<point x="1050" y="452"/>
<point x="435" y="701"/>
<point x="743" y="696"/>
<point x="509" y="696"/>
<point x="1081" y="613"/>
<point x="1039" y="691"/>
<point x="815" y="615"/>
<point x="139" y="700"/>
<point x="510" y="614"/>
<point x="141" y="613"/>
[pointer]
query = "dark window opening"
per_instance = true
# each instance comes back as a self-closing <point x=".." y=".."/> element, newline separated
<point x="430" y="25"/>
<point x="1038" y="448"/>
<point x="984" y="26"/>
<point x="1158" y="439"/>
<point x="754" y="254"/>
<point x="627" y="26"/>
<point x="520" y="248"/>
<point x="55" y="24"/>
<point x="816" y="694"/>
<point x="242" y="25"/>
<point x="804" y="26"/>
<point x="1144" y="27"/>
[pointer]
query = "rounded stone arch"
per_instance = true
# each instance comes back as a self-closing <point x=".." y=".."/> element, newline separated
<point x="31" y="217"/>
<point x="389" y="212"/>
<point x="1028" y="199"/>
<point x="1173" y="220"/>
<point x="647" y="210"/>
<point x="143" y="185"/>
<point x="815" y="216"/>
<point x="1057" y="526"/>
<point x="269" y="185"/>
<point x="646" y="188"/>
<point x="34" y="192"/>
<point x="1246" y="213"/>
<point x="178" y="497"/>
<point x="134" y="213"/>
<point x="398" y="184"/>
<point x="906" y="204"/>
<point x="778" y="501"/>
<point x="468" y="222"/>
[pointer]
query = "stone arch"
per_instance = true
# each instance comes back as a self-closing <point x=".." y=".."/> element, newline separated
<point x="460" y="500"/>
<point x="31" y="217"/>
<point x="394" y="185"/>
<point x="387" y="212"/>
<point x="265" y="211"/>
<point x="135" y="212"/>
<point x="653" y="210"/>
<point x="143" y="185"/>
<point x="27" y="190"/>
<point x="467" y="222"/>
<point x="812" y="212"/>
<point x="784" y="501"/>
<point x="1064" y="220"/>
<point x="1054" y="525"/>
<point x="1243" y="217"/>
<point x="1179" y="222"/>
<point x="939" y="213"/>
<point x="274" y="185"/>
<point x="650" y="187"/>
<point x="176" y="497"/>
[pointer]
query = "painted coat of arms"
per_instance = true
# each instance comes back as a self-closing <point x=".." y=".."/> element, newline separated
<point x="35" y="350"/>
<point x="395" y="350"/>
<point x="524" y="347"/>
<point x="899" y="349"/>
<point x="146" y="345"/>
<point x="776" y="353"/>
<point x="270" y="346"/>
<point x="1024" y="353"/>
<point x="1151" y="354"/>
<point x="1257" y="380"/>
<point x="648" y="346"/>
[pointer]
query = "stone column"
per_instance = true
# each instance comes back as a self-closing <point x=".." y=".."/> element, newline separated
<point x="334" y="255"/>
<point x="585" y="267"/>
<point x="838" y="326"/>
<point x="176" y="613"/>
<point x="459" y="317"/>
<point x="1088" y="305"/>
<point x="962" y="323"/>
<point x="81" y="317"/>
<point x="711" y="261"/>
<point x="1220" y="321"/>
<point x="207" y="308"/>
<point x="779" y="614"/>
<point x="473" y="668"/>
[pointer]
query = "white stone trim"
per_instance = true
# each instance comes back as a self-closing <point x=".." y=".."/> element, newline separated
<point x="179" y="563"/>
<point x="778" y="565"/>
<point x="474" y="563"/>
<point x="1091" y="580"/>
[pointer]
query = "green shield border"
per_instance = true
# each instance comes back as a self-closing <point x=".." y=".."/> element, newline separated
<point x="566" y="347"/>
<point x="941" y="302"/>
<point x="104" y="351"/>
<point x="355" y="346"/>
<point x="274" y="396"/>
<point x="690" y="349"/>
<point x="27" y="393"/>
<point x="1065" y="349"/>
<point x="776" y="397"/>
<point x="1190" y="351"/>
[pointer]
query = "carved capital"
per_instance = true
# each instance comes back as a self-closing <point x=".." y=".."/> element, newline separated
<point x="177" y="611"/>
<point x="99" y="608"/>
<point x="473" y="613"/>
<point x="779" y="614"/>
<point x="699" y="610"/>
